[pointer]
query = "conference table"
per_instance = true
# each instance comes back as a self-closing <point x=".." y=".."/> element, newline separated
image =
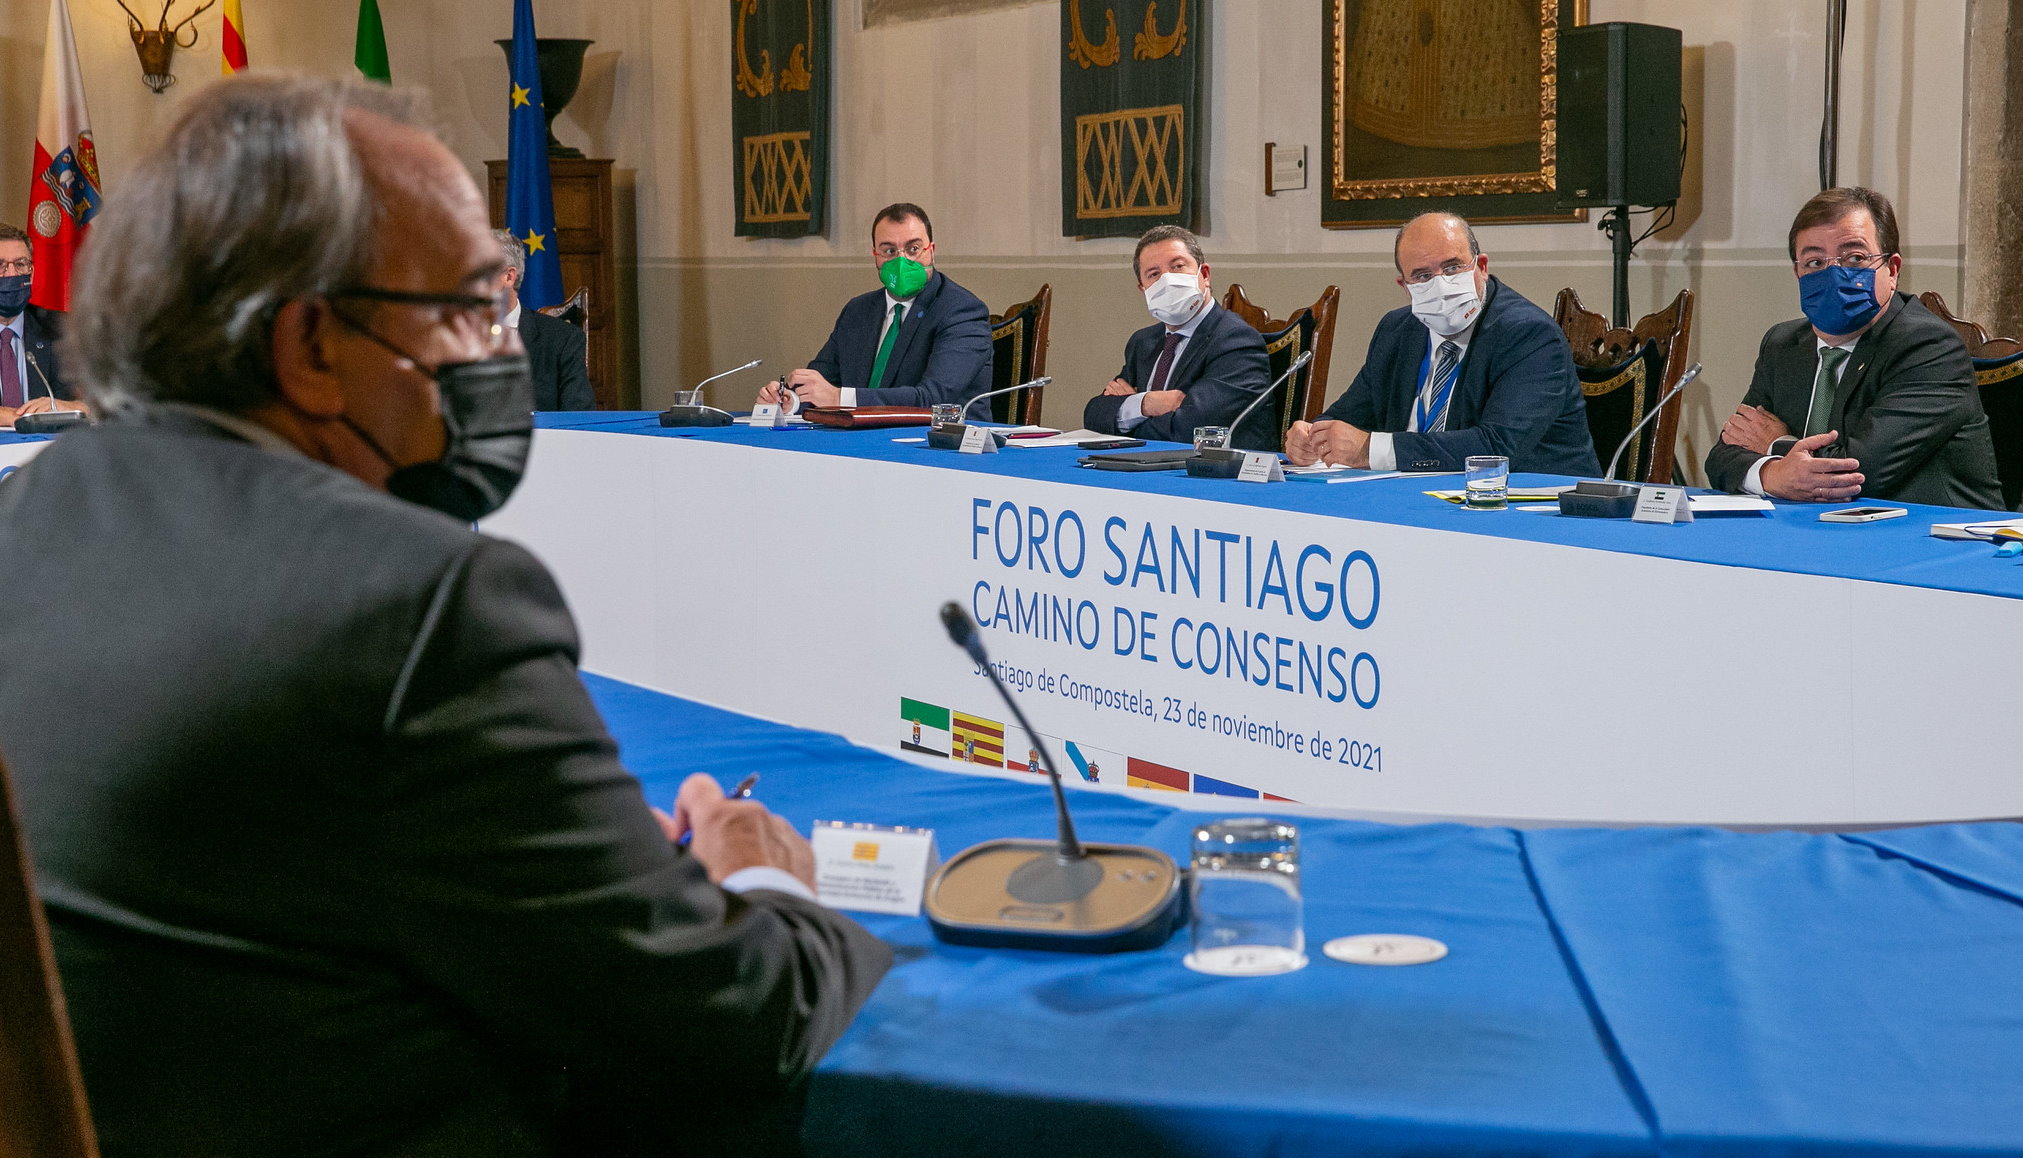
<point x="1670" y="989"/>
<point x="1360" y="647"/>
<point x="1674" y="990"/>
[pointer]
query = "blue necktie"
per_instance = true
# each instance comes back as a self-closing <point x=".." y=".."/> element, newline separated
<point x="1433" y="398"/>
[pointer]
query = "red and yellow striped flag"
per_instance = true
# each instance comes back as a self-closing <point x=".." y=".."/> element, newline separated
<point x="233" y="38"/>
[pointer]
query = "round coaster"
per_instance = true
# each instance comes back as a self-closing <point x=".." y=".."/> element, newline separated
<point x="1385" y="949"/>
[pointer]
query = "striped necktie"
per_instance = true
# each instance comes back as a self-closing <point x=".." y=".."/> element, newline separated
<point x="1439" y="388"/>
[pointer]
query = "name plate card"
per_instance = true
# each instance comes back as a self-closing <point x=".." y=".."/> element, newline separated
<point x="978" y="440"/>
<point x="1260" y="466"/>
<point x="869" y="868"/>
<point x="1662" y="505"/>
<point x="766" y="414"/>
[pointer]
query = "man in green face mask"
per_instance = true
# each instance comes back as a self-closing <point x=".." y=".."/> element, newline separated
<point x="919" y="340"/>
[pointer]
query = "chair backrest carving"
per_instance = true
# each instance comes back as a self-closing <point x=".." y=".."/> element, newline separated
<point x="1623" y="373"/>
<point x="1018" y="341"/>
<point x="1309" y="328"/>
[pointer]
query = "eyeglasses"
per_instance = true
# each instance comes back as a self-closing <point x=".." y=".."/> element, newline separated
<point x="10" y="268"/>
<point x="1855" y="260"/>
<point x="483" y="313"/>
<point x="1448" y="270"/>
<point x="912" y="249"/>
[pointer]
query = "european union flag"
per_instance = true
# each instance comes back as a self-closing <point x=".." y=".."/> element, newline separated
<point x="530" y="199"/>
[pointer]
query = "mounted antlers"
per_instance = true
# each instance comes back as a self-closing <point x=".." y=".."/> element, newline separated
<point x="158" y="45"/>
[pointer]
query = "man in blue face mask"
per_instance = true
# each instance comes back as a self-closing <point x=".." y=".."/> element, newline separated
<point x="30" y="380"/>
<point x="919" y="340"/>
<point x="1868" y="394"/>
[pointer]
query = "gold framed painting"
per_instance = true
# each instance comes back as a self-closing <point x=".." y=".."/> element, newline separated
<point x="1442" y="104"/>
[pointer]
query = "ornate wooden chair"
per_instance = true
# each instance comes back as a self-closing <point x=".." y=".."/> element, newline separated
<point x="1623" y="373"/>
<point x="575" y="311"/>
<point x="1998" y="371"/>
<point x="42" y="1107"/>
<point x="1018" y="351"/>
<point x="1309" y="328"/>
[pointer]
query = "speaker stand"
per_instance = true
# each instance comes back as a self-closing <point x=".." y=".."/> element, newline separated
<point x="1616" y="223"/>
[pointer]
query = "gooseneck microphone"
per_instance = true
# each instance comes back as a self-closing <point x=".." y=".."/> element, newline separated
<point x="963" y="632"/>
<point x="1607" y="498"/>
<point x="950" y="437"/>
<point x="697" y="414"/>
<point x="1227" y="462"/>
<point x="1060" y="894"/>
<point x="1692" y="372"/>
<point x="49" y="421"/>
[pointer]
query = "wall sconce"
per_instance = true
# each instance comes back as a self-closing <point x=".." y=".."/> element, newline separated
<point x="158" y="45"/>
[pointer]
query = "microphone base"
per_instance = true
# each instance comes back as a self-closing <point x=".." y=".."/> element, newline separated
<point x="1599" y="500"/>
<point x="1218" y="463"/>
<point x="950" y="437"/>
<point x="1017" y="894"/>
<point x="694" y="416"/>
<point x="49" y="422"/>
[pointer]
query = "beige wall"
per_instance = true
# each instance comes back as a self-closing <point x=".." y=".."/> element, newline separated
<point x="961" y="115"/>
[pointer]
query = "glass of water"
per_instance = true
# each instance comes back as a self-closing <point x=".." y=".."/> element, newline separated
<point x="1211" y="437"/>
<point x="1248" y="920"/>
<point x="1488" y="482"/>
<point x="688" y="397"/>
<point x="946" y="413"/>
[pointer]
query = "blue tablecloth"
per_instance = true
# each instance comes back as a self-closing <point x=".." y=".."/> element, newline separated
<point x="1790" y="539"/>
<point x="1652" y="991"/>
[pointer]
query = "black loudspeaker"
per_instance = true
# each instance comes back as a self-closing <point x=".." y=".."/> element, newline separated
<point x="1618" y="115"/>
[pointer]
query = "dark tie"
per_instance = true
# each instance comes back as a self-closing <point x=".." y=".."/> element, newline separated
<point x="885" y="347"/>
<point x="1165" y="364"/>
<point x="1432" y="403"/>
<point x="1819" y="417"/>
<point x="10" y="371"/>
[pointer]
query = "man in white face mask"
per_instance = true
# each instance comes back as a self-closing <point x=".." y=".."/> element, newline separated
<point x="1469" y="367"/>
<point x="1196" y="365"/>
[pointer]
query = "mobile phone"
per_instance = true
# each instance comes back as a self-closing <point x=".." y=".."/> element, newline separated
<point x="1112" y="444"/>
<point x="1861" y="514"/>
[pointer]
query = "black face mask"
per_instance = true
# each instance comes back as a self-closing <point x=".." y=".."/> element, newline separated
<point x="488" y="411"/>
<point x="14" y="289"/>
<point x="488" y="417"/>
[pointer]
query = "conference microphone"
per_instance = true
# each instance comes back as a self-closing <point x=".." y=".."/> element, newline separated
<point x="697" y="414"/>
<point x="1060" y="894"/>
<point x="1608" y="499"/>
<point x="49" y="421"/>
<point x="950" y="437"/>
<point x="1227" y="462"/>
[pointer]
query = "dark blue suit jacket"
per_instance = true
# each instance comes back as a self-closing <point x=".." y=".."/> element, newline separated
<point x="942" y="353"/>
<point x="555" y="352"/>
<point x="1517" y="395"/>
<point x="1222" y="369"/>
<point x="41" y="330"/>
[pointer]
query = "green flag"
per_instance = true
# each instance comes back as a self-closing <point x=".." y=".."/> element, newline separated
<point x="370" y="55"/>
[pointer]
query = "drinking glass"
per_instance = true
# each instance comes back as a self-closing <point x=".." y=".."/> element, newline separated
<point x="1488" y="482"/>
<point x="947" y="413"/>
<point x="1246" y="898"/>
<point x="1211" y="437"/>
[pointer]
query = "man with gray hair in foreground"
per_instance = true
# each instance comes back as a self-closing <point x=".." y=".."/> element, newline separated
<point x="337" y="854"/>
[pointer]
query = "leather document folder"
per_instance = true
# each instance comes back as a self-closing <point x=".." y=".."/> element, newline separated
<point x="867" y="417"/>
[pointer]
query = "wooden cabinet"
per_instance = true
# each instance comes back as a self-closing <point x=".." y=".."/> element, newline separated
<point x="586" y="241"/>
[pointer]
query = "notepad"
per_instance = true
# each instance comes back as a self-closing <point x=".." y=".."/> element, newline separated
<point x="1981" y="531"/>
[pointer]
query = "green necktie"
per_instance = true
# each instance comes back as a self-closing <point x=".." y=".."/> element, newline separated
<point x="1819" y="418"/>
<point x="885" y="347"/>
